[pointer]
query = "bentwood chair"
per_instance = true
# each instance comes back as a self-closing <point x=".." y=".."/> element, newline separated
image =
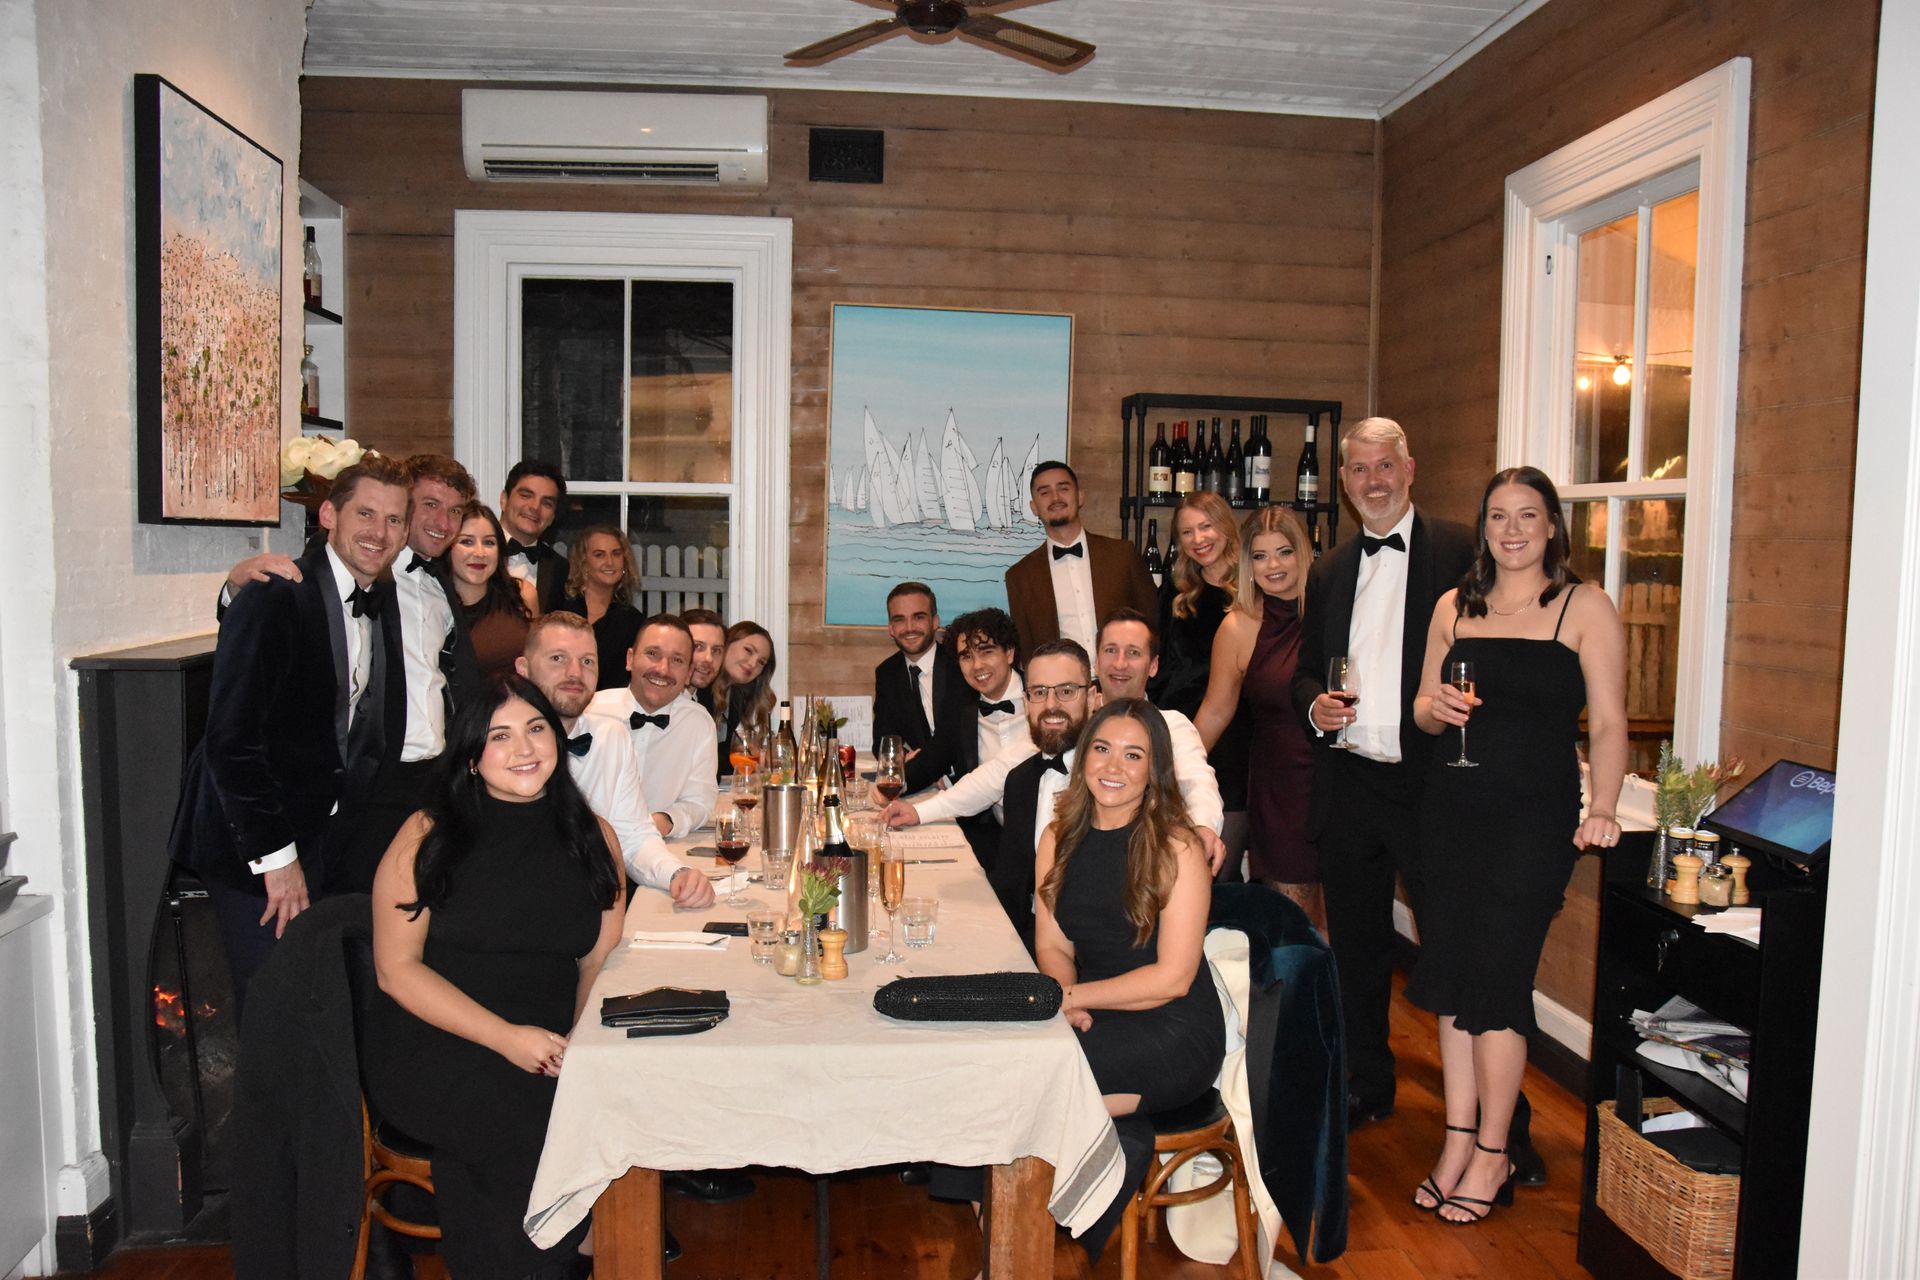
<point x="1201" y="1128"/>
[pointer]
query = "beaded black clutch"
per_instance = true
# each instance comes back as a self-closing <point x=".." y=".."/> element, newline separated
<point x="970" y="997"/>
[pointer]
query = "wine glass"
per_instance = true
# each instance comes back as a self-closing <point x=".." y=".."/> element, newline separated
<point x="1460" y="676"/>
<point x="890" y="755"/>
<point x="893" y="888"/>
<point x="731" y="839"/>
<point x="1343" y="686"/>
<point x="746" y="798"/>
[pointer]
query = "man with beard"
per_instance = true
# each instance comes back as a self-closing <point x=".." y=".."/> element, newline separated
<point x="1065" y="586"/>
<point x="919" y="694"/>
<point x="562" y="660"/>
<point x="709" y="632"/>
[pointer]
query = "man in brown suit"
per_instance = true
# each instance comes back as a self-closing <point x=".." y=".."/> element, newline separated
<point x="1062" y="588"/>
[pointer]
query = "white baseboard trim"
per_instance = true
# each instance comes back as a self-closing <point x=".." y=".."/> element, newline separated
<point x="83" y="1187"/>
<point x="1555" y="1019"/>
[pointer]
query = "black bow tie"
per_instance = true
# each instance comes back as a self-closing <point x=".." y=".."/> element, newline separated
<point x="364" y="602"/>
<point x="639" y="718"/>
<point x="1057" y="763"/>
<point x="1077" y="549"/>
<point x="419" y="562"/>
<point x="532" y="551"/>
<point x="988" y="708"/>
<point x="1370" y="545"/>
<point x="579" y="744"/>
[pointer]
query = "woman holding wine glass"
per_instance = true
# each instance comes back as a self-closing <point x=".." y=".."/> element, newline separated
<point x="498" y="606"/>
<point x="1518" y="649"/>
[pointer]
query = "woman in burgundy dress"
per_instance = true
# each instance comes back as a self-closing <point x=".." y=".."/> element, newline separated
<point x="1253" y="661"/>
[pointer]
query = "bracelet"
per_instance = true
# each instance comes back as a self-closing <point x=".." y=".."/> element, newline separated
<point x="1604" y="817"/>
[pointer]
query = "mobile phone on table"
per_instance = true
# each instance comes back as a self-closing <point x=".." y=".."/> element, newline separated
<point x="732" y="928"/>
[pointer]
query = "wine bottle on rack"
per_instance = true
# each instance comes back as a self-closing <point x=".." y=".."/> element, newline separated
<point x="1160" y="467"/>
<point x="1213" y="467"/>
<point x="310" y="271"/>
<point x="1259" y="465"/>
<point x="1306" y="477"/>
<point x="1235" y="488"/>
<point x="1155" y="566"/>
<point x="1186" y="465"/>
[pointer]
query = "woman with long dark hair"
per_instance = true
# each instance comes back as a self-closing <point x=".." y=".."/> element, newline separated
<point x="743" y="688"/>
<point x="493" y="911"/>
<point x="498" y="606"/>
<point x="1516" y="652"/>
<point x="601" y="579"/>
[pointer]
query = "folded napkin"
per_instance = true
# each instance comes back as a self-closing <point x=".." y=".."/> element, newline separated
<point x="679" y="940"/>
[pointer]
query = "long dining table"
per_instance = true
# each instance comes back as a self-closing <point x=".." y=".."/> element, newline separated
<point x="814" y="1078"/>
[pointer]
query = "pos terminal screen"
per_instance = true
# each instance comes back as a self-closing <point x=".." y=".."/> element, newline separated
<point x="1787" y="810"/>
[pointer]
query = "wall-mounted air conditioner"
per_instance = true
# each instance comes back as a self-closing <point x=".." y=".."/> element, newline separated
<point x="539" y="135"/>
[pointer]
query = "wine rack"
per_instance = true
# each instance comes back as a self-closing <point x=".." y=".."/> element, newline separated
<point x="1137" y="507"/>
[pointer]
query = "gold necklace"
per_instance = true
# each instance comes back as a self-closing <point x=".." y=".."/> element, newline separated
<point x="1508" y="613"/>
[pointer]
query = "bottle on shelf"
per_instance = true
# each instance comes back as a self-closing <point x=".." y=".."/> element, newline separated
<point x="1313" y="532"/>
<point x="1155" y="566"/>
<point x="1234" y="488"/>
<point x="1213" y="473"/>
<point x="783" y="755"/>
<point x="310" y="271"/>
<point x="1160" y="467"/>
<point x="309" y="383"/>
<point x="1186" y="464"/>
<point x="1306" y="477"/>
<point x="1259" y="465"/>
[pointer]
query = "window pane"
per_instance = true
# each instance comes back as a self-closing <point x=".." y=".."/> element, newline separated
<point x="1603" y="342"/>
<point x="1650" y="604"/>
<point x="1587" y="531"/>
<point x="570" y="369"/>
<point x="578" y="513"/>
<point x="681" y="544"/>
<point x="1670" y="288"/>
<point x="682" y="392"/>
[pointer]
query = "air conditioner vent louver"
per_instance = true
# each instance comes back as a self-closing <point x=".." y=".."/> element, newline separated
<point x="541" y="135"/>
<point x="602" y="171"/>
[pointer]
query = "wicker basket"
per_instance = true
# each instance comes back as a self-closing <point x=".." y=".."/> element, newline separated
<point x="1683" y="1217"/>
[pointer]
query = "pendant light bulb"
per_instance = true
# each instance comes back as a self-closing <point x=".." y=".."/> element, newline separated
<point x="1622" y="372"/>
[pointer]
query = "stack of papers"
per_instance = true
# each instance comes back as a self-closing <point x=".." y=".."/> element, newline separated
<point x="1683" y="1035"/>
<point x="1740" y="922"/>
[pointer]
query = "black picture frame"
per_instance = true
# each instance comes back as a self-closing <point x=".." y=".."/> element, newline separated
<point x="209" y="239"/>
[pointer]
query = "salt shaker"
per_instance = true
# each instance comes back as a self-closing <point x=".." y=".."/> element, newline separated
<point x="1716" y="886"/>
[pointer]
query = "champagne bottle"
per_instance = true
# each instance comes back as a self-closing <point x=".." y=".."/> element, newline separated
<point x="1306" y="477"/>
<point x="832" y="780"/>
<point x="1155" y="566"/>
<point x="1259" y="465"/>
<point x="1160" y="467"/>
<point x="1186" y="466"/>
<point x="783" y="762"/>
<point x="310" y="271"/>
<point x="1234" y="490"/>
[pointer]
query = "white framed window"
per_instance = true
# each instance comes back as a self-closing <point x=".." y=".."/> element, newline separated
<point x="647" y="355"/>
<point x="1620" y="345"/>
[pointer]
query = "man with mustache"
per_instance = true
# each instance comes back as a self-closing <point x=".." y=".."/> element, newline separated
<point x="1063" y="587"/>
<point x="673" y="738"/>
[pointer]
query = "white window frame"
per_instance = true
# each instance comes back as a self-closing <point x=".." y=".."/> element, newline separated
<point x="495" y="250"/>
<point x="1699" y="128"/>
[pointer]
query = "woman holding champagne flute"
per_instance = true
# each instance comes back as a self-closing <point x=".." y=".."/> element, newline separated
<point x="1518" y="649"/>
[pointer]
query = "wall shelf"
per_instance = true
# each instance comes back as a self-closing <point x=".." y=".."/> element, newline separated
<point x="325" y="321"/>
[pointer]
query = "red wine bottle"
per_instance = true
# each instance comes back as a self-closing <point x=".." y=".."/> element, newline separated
<point x="1160" y="467"/>
<point x="1186" y="466"/>
<point x="1259" y="465"/>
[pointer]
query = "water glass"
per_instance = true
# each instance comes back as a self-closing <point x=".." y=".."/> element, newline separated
<point x="763" y="934"/>
<point x="920" y="921"/>
<point x="775" y="865"/>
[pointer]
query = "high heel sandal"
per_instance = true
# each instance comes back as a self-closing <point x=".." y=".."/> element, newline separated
<point x="1502" y="1197"/>
<point x="1429" y="1187"/>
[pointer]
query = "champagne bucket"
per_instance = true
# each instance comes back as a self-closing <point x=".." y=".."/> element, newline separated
<point x="850" y="913"/>
<point x="783" y="806"/>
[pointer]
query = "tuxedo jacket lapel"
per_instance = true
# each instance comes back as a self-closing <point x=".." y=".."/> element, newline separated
<point x="321" y="598"/>
<point x="1419" y="612"/>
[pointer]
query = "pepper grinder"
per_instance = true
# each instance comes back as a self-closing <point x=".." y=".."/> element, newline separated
<point x="1686" y="880"/>
<point x="1738" y="862"/>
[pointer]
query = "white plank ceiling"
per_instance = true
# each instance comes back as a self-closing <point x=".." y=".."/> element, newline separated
<point x="1323" y="57"/>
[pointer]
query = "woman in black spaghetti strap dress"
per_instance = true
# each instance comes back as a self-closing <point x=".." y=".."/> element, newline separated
<point x="1499" y="836"/>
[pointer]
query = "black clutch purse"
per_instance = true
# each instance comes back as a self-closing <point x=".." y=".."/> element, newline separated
<point x="970" y="997"/>
<point x="665" y="1011"/>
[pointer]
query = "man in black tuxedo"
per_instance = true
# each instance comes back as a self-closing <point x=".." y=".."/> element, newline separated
<point x="1371" y="599"/>
<point x="528" y="507"/>
<point x="305" y="706"/>
<point x="920" y="695"/>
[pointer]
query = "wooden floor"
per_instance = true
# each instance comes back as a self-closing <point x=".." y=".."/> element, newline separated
<point x="882" y="1230"/>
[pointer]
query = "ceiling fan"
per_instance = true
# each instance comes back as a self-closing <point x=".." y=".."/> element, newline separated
<point x="971" y="20"/>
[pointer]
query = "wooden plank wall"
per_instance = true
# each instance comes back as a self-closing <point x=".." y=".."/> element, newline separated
<point x="1566" y="70"/>
<point x="1199" y="251"/>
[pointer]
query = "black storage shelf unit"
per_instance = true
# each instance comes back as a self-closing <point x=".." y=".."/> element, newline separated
<point x="1135" y="507"/>
<point x="1650" y="949"/>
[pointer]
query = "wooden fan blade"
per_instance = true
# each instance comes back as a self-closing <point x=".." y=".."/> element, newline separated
<point x="846" y="42"/>
<point x="1044" y="48"/>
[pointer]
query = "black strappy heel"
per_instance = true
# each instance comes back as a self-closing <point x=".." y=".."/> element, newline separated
<point x="1428" y="1185"/>
<point x="1502" y="1197"/>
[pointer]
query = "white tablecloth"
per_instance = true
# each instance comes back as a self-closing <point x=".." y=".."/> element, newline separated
<point x="813" y="1078"/>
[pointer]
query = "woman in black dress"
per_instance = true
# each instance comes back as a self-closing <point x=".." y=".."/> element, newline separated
<point x="493" y="911"/>
<point x="1120" y="917"/>
<point x="743" y="689"/>
<point x="601" y="579"/>
<point x="1499" y="839"/>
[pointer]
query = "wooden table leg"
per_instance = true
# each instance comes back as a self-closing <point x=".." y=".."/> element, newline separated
<point x="1019" y="1229"/>
<point x="627" y="1228"/>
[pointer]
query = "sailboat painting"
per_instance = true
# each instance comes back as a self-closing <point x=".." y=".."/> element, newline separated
<point x="937" y="419"/>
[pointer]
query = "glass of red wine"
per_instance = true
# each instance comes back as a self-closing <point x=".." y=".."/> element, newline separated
<point x="890" y="754"/>
<point x="1343" y="688"/>
<point x="731" y="840"/>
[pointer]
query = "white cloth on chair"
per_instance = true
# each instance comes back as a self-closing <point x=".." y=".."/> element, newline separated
<point x="1206" y="1231"/>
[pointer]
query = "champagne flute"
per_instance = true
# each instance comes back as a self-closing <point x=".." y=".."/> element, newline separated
<point x="1343" y="686"/>
<point x="893" y="889"/>
<point x="730" y="842"/>
<point x="1460" y="676"/>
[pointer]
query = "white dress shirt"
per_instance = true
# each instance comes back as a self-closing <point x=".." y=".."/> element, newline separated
<point x="676" y="764"/>
<point x="359" y="633"/>
<point x="1000" y="729"/>
<point x="1376" y="640"/>
<point x="610" y="779"/>
<point x="426" y="621"/>
<point x="1073" y="592"/>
